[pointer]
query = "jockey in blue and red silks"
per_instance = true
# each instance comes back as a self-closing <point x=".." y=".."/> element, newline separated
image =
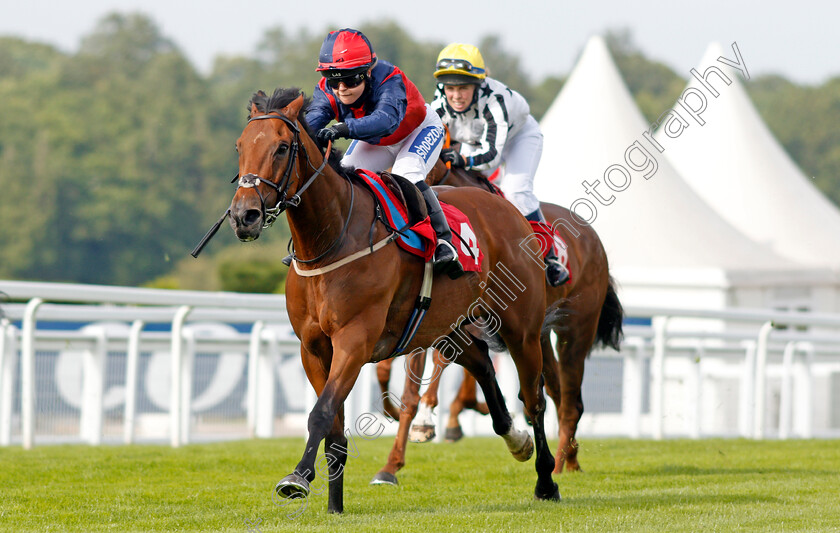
<point x="376" y="105"/>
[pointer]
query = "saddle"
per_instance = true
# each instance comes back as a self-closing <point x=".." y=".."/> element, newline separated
<point x="401" y="207"/>
<point x="408" y="194"/>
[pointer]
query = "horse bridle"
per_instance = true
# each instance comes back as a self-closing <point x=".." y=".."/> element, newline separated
<point x="252" y="181"/>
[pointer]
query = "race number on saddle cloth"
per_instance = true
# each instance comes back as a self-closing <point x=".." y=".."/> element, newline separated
<point x="550" y="238"/>
<point x="420" y="239"/>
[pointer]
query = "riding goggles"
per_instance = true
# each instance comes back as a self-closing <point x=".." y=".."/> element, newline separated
<point x="458" y="64"/>
<point x="353" y="80"/>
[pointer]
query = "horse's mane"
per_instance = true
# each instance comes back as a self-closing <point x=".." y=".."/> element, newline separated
<point x="280" y="99"/>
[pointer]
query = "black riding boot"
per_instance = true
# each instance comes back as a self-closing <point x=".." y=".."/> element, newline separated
<point x="555" y="272"/>
<point x="446" y="257"/>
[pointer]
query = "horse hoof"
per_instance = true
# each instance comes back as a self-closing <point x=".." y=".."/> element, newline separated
<point x="421" y="433"/>
<point x="560" y="468"/>
<point x="453" y="434"/>
<point x="520" y="444"/>
<point x="527" y="450"/>
<point x="384" y="478"/>
<point x="553" y="494"/>
<point x="292" y="486"/>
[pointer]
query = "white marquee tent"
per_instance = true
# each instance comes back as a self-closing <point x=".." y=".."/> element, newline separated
<point x="665" y="244"/>
<point x="732" y="161"/>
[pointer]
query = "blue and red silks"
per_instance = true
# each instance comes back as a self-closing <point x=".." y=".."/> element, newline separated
<point x="420" y="239"/>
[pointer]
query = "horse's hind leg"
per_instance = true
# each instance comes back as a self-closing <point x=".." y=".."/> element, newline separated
<point x="476" y="359"/>
<point x="551" y="373"/>
<point x="383" y="376"/>
<point x="572" y="357"/>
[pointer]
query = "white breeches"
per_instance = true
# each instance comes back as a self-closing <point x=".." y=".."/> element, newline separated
<point x="521" y="157"/>
<point x="412" y="158"/>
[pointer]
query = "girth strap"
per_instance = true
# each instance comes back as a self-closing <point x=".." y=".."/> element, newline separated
<point x="341" y="262"/>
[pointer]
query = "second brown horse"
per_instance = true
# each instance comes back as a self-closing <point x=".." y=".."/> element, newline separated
<point x="582" y="313"/>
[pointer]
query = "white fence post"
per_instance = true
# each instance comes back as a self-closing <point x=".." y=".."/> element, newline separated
<point x="265" y="384"/>
<point x="807" y="391"/>
<point x="633" y="378"/>
<point x="745" y="390"/>
<point x="252" y="399"/>
<point x="8" y="364"/>
<point x="27" y="374"/>
<point x="786" y="393"/>
<point x="175" y="410"/>
<point x="657" y="368"/>
<point x="132" y="364"/>
<point x="694" y="393"/>
<point x="761" y="378"/>
<point x="187" y="375"/>
<point x="93" y="382"/>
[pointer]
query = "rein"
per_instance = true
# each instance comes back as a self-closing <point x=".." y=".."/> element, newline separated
<point x="482" y="181"/>
<point x="270" y="215"/>
<point x="445" y="177"/>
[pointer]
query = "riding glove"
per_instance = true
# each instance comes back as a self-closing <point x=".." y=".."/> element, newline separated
<point x="336" y="131"/>
<point x="453" y="156"/>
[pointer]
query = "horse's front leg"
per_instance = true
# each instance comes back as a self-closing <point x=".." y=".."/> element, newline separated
<point x="423" y="428"/>
<point x="531" y="383"/>
<point x="466" y="398"/>
<point x="415" y="364"/>
<point x="351" y="349"/>
<point x="383" y="376"/>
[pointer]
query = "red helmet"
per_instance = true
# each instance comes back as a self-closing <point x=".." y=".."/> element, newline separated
<point x="346" y="49"/>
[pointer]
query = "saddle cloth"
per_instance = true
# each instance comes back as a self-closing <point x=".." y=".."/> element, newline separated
<point x="548" y="238"/>
<point x="420" y="239"/>
<point x="543" y="231"/>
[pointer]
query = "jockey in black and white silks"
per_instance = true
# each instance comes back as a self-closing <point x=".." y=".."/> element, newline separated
<point x="494" y="125"/>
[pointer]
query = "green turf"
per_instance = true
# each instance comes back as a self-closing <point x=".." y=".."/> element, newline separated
<point x="474" y="485"/>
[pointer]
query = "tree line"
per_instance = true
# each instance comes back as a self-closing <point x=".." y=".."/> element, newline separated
<point x="115" y="159"/>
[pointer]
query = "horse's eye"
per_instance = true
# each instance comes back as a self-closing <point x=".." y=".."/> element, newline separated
<point x="281" y="150"/>
<point x="236" y="148"/>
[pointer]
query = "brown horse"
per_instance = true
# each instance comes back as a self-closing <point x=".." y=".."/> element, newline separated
<point x="351" y="289"/>
<point x="583" y="312"/>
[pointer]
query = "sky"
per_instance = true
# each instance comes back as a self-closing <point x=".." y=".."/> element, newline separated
<point x="798" y="40"/>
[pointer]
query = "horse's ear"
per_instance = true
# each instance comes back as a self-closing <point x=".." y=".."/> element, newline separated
<point x="254" y="110"/>
<point x="293" y="109"/>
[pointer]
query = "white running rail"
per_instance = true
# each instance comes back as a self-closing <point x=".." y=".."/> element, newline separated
<point x="683" y="372"/>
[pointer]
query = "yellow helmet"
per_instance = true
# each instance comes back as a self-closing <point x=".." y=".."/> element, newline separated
<point x="460" y="64"/>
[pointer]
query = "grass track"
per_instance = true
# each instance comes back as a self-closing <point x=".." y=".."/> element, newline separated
<point x="474" y="485"/>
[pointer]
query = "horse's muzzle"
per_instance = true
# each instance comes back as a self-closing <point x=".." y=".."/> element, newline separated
<point x="246" y="224"/>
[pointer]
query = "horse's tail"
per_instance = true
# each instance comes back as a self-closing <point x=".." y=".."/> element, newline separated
<point x="610" y="322"/>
